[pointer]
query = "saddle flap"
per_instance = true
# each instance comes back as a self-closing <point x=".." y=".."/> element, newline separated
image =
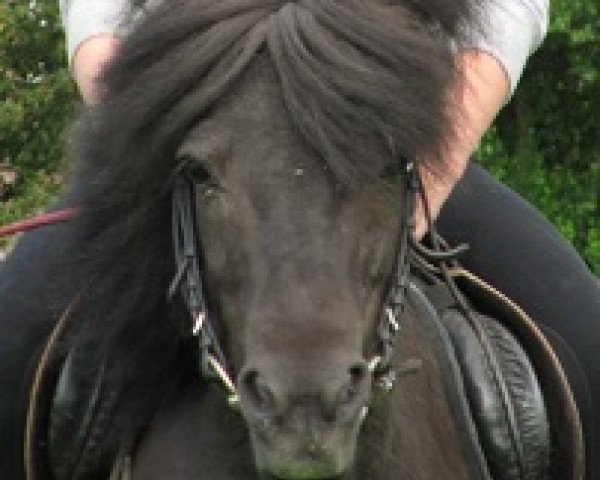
<point x="568" y="457"/>
<point x="64" y="419"/>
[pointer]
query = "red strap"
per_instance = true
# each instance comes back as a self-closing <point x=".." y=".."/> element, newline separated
<point x="39" y="221"/>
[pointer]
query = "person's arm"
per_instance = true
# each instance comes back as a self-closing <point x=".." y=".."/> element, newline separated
<point x="92" y="29"/>
<point x="88" y="61"/>
<point x="490" y="62"/>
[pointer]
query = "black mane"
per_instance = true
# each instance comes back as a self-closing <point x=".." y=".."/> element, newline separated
<point x="353" y="74"/>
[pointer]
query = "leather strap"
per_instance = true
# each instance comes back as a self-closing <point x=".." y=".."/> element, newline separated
<point x="441" y="343"/>
<point x="568" y="453"/>
<point x="524" y="453"/>
<point x="39" y="388"/>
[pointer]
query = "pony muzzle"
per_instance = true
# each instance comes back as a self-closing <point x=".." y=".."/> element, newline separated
<point x="309" y="433"/>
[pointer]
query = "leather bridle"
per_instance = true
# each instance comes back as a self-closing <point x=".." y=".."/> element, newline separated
<point x="211" y="359"/>
<point x="188" y="277"/>
<point x="188" y="281"/>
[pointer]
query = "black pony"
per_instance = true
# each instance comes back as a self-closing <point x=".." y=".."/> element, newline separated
<point x="295" y="121"/>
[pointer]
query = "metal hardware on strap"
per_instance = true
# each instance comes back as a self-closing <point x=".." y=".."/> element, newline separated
<point x="188" y="281"/>
<point x="389" y="325"/>
<point x="443" y="258"/>
<point x="233" y="399"/>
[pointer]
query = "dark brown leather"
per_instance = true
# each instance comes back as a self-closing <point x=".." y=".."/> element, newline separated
<point x="568" y="451"/>
<point x="486" y="402"/>
<point x="80" y="416"/>
<point x="35" y="461"/>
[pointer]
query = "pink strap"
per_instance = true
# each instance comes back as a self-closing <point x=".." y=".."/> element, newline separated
<point x="39" y="221"/>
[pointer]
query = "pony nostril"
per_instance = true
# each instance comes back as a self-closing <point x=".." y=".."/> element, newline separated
<point x="356" y="386"/>
<point x="256" y="394"/>
<point x="358" y="373"/>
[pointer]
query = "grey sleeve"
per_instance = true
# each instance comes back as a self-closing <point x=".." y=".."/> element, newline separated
<point x="83" y="19"/>
<point x="511" y="30"/>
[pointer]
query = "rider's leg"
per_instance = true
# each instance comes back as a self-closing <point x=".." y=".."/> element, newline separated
<point x="519" y="252"/>
<point x="30" y="303"/>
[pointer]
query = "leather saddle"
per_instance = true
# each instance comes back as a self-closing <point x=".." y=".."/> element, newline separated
<point x="524" y="425"/>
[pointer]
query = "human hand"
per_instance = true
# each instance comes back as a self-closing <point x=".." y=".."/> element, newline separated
<point x="89" y="60"/>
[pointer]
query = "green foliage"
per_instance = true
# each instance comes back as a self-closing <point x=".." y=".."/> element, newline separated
<point x="35" y="101"/>
<point x="545" y="144"/>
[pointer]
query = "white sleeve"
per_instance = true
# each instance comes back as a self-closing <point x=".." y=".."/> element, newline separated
<point x="511" y="30"/>
<point x="83" y="19"/>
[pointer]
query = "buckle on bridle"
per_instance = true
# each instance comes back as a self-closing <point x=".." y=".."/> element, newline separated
<point x="389" y="325"/>
<point x="188" y="281"/>
<point x="211" y="361"/>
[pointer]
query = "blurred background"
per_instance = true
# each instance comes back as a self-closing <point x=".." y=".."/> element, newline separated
<point x="545" y="144"/>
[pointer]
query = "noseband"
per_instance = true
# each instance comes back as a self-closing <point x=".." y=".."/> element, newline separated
<point x="212" y="363"/>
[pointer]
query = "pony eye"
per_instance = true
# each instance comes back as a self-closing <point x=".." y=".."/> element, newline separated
<point x="197" y="171"/>
<point x="392" y="171"/>
<point x="205" y="183"/>
<point x="200" y="174"/>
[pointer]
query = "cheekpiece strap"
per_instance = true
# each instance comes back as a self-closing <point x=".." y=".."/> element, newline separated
<point x="188" y="281"/>
<point x="389" y="324"/>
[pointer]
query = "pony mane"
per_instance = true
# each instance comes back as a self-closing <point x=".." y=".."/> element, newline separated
<point x="353" y="75"/>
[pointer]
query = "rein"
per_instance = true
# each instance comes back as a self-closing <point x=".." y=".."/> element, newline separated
<point x="46" y="219"/>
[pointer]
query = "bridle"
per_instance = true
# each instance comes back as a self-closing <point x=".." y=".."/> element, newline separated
<point x="409" y="253"/>
<point x="188" y="281"/>
<point x="212" y="363"/>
